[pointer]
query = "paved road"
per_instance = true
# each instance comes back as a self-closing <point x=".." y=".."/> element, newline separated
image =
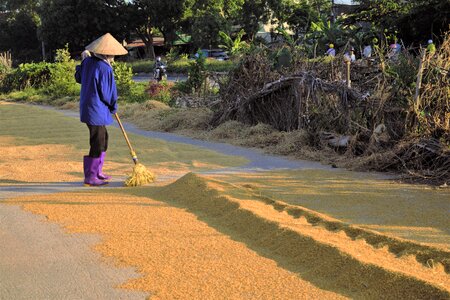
<point x="146" y="77"/>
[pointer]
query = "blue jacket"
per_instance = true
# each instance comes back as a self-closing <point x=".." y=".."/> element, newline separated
<point x="98" y="96"/>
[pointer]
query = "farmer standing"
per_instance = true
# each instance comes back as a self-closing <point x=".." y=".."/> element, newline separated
<point x="331" y="51"/>
<point x="431" y="47"/>
<point x="98" y="100"/>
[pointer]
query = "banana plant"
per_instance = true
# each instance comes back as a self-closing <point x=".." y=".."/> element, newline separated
<point x="324" y="32"/>
<point x="235" y="46"/>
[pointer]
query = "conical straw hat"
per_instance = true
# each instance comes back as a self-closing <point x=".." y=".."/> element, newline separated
<point x="106" y="45"/>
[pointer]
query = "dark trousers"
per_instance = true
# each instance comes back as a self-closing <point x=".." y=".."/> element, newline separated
<point x="98" y="140"/>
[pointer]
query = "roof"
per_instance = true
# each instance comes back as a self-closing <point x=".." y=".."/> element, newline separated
<point x="157" y="41"/>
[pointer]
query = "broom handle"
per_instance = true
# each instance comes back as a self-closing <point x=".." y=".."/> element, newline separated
<point x="133" y="154"/>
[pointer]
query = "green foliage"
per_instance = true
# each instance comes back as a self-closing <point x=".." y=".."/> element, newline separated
<point x="55" y="79"/>
<point x="252" y="15"/>
<point x="123" y="74"/>
<point x="148" y="17"/>
<point x="197" y="73"/>
<point x="403" y="72"/>
<point x="28" y="94"/>
<point x="173" y="55"/>
<point x="427" y="18"/>
<point x="236" y="46"/>
<point x="299" y="17"/>
<point x="415" y="20"/>
<point x="62" y="81"/>
<point x="79" y="22"/>
<point x="18" y="31"/>
<point x="137" y="94"/>
<point x="34" y="75"/>
<point x="324" y="32"/>
<point x="182" y="87"/>
<point x="382" y="14"/>
<point x="206" y="27"/>
<point x="63" y="55"/>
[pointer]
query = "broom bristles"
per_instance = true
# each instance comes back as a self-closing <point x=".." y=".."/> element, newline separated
<point x="140" y="176"/>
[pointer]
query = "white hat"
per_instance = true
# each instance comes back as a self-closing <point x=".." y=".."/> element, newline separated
<point x="106" y="45"/>
<point x="430" y="41"/>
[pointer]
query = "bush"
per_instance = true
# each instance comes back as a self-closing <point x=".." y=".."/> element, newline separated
<point x="160" y="91"/>
<point x="56" y="79"/>
<point x="196" y="73"/>
<point x="137" y="94"/>
<point x="123" y="75"/>
<point x="62" y="81"/>
<point x="173" y="55"/>
<point x="34" y="75"/>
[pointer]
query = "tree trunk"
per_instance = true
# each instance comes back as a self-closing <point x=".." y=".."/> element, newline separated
<point x="147" y="38"/>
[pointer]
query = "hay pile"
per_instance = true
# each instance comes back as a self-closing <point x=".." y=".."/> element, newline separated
<point x="302" y="96"/>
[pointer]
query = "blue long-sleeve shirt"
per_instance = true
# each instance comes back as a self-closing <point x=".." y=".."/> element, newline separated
<point x="98" y="96"/>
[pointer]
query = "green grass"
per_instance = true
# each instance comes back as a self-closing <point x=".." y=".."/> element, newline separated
<point x="32" y="125"/>
<point x="39" y="96"/>
<point x="181" y="66"/>
<point x="36" y="96"/>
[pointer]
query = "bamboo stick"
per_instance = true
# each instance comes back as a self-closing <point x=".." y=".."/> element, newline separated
<point x="417" y="101"/>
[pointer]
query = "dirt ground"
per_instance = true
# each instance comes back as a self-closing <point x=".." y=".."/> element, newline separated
<point x="222" y="236"/>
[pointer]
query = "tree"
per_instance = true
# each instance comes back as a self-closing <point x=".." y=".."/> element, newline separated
<point x="79" y="22"/>
<point x="149" y="17"/>
<point x="204" y="19"/>
<point x="324" y="32"/>
<point x="18" y="29"/>
<point x="206" y="27"/>
<point x="426" y="19"/>
<point x="235" y="46"/>
<point x="18" y="5"/>
<point x="254" y="13"/>
<point x="415" y="21"/>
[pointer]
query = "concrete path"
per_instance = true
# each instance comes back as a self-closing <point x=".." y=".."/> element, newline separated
<point x="39" y="261"/>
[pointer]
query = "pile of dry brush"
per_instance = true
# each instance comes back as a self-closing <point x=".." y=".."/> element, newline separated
<point x="387" y="123"/>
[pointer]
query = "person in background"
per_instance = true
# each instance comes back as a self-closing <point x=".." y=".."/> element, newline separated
<point x="98" y="100"/>
<point x="158" y="62"/>
<point x="331" y="51"/>
<point x="431" y="47"/>
<point x="159" y="69"/>
<point x="367" y="51"/>
<point x="350" y="56"/>
<point x="395" y="49"/>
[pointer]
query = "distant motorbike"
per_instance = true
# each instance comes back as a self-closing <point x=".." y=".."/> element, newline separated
<point x="160" y="72"/>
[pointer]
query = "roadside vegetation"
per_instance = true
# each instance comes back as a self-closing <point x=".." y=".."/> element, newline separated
<point x="181" y="65"/>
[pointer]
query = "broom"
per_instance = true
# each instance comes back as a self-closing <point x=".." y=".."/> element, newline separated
<point x="140" y="175"/>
